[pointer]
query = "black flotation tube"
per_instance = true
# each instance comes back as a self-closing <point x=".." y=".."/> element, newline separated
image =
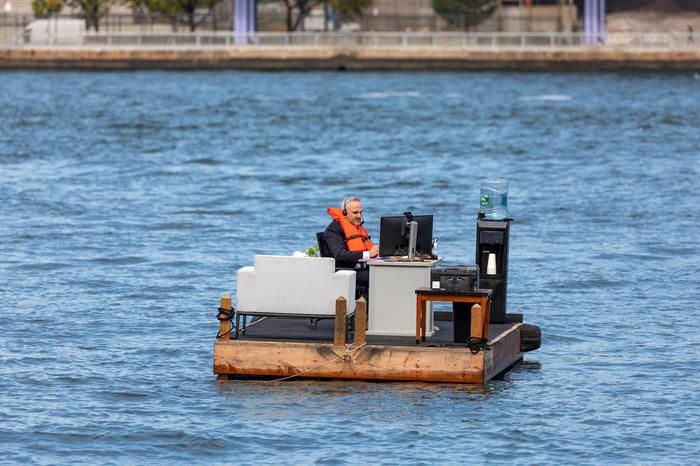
<point x="530" y="337"/>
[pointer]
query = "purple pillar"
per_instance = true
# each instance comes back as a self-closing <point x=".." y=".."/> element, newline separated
<point x="601" y="21"/>
<point x="594" y="21"/>
<point x="243" y="20"/>
<point x="253" y="13"/>
<point x="587" y="21"/>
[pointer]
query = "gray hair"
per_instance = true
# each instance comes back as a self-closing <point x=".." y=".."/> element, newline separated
<point x="347" y="201"/>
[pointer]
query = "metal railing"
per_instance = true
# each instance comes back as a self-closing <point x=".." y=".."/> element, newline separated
<point x="273" y="21"/>
<point x="369" y="40"/>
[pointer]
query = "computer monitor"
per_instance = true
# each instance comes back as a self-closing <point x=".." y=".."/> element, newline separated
<point x="393" y="243"/>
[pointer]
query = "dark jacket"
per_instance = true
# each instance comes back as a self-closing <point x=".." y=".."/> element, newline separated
<point x="335" y="242"/>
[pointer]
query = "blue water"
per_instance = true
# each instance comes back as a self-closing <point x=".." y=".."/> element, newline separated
<point x="129" y="200"/>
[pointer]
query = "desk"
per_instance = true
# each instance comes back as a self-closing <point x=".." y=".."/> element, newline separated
<point x="392" y="286"/>
<point x="424" y="295"/>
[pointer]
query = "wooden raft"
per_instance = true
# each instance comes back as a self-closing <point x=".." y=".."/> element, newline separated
<point x="361" y="361"/>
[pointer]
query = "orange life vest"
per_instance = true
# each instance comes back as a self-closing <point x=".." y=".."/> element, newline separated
<point x="356" y="237"/>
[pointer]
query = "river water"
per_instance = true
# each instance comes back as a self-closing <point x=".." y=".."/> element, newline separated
<point x="128" y="201"/>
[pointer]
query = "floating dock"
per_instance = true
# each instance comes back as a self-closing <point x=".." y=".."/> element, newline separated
<point x="285" y="348"/>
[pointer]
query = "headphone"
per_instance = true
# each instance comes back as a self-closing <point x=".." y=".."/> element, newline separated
<point x="345" y="204"/>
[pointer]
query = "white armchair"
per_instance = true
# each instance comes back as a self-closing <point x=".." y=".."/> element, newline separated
<point x="283" y="286"/>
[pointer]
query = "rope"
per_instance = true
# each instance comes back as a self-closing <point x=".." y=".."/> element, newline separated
<point x="346" y="356"/>
<point x="224" y="315"/>
<point x="477" y="344"/>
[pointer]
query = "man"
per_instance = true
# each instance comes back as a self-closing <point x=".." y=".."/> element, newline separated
<point x="348" y="241"/>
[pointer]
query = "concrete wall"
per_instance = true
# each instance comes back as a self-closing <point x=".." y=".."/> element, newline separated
<point x="334" y="58"/>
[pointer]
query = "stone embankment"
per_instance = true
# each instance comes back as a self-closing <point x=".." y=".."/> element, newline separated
<point x="338" y="58"/>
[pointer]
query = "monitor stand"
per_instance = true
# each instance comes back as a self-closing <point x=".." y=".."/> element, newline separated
<point x="412" y="239"/>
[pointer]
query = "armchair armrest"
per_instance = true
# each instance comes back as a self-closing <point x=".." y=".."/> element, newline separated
<point x="344" y="285"/>
<point x="245" y="291"/>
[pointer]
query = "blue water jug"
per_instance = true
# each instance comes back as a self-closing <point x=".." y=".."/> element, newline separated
<point x="494" y="199"/>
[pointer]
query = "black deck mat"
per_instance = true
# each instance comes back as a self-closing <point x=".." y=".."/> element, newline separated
<point x="299" y="330"/>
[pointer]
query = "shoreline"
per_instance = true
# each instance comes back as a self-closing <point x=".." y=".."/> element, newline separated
<point x="318" y="58"/>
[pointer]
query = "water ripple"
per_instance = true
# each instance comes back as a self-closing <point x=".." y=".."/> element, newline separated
<point x="125" y="218"/>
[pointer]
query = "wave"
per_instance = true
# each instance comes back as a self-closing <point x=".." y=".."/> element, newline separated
<point x="204" y="161"/>
<point x="386" y="95"/>
<point x="547" y="97"/>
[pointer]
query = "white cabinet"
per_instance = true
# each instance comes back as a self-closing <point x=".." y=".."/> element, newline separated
<point x="392" y="296"/>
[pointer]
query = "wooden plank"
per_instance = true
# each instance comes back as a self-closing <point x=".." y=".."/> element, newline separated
<point x="369" y="362"/>
<point x="340" y="316"/>
<point x="360" y="321"/>
<point x="505" y="351"/>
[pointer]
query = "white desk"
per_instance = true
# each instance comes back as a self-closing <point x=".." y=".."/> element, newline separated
<point x="392" y="296"/>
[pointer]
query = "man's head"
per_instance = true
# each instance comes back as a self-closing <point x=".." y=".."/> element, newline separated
<point x="352" y="209"/>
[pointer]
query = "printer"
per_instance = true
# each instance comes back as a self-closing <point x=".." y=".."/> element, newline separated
<point x="459" y="278"/>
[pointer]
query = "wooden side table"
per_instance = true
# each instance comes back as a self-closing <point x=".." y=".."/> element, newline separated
<point x="423" y="295"/>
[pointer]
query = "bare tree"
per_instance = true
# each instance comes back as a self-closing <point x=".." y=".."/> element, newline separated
<point x="297" y="10"/>
<point x="464" y="13"/>
<point x="92" y="10"/>
<point x="176" y="9"/>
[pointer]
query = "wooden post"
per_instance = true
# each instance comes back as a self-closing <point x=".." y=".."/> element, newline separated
<point x="360" y="321"/>
<point x="340" y="313"/>
<point x="477" y="326"/>
<point x="225" y="325"/>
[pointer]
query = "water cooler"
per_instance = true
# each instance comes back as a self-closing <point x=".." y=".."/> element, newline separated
<point x="492" y="259"/>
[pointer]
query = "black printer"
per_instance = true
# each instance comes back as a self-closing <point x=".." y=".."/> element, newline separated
<point x="459" y="278"/>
